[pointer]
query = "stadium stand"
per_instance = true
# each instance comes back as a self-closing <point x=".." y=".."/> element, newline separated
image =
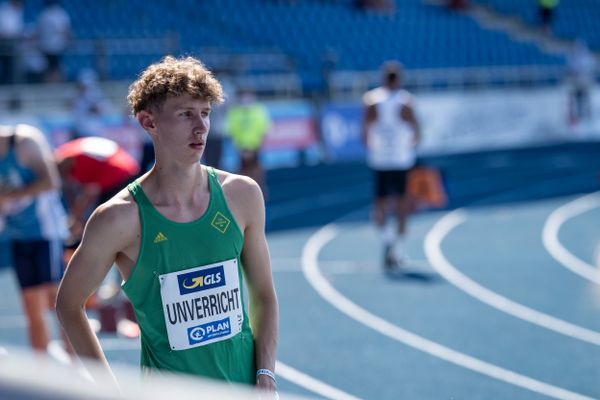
<point x="308" y="37"/>
<point x="575" y="19"/>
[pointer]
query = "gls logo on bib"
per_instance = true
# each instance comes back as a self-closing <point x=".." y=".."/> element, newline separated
<point x="201" y="280"/>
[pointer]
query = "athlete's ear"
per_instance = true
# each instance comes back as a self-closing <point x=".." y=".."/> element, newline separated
<point x="146" y="120"/>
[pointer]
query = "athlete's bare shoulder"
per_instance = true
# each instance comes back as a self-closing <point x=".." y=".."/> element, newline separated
<point x="120" y="206"/>
<point x="244" y="196"/>
<point x="24" y="131"/>
<point x="30" y="140"/>
<point x="116" y="219"/>
<point x="375" y="96"/>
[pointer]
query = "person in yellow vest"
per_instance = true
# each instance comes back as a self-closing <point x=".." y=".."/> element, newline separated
<point x="247" y="124"/>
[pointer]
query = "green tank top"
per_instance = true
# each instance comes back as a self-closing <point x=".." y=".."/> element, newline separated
<point x="187" y="292"/>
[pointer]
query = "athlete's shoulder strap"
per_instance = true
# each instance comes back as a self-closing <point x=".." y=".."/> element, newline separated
<point x="138" y="193"/>
<point x="215" y="186"/>
<point x="211" y="172"/>
<point x="213" y="179"/>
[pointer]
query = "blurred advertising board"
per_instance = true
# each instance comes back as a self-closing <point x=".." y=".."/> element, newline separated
<point x="340" y="131"/>
<point x="453" y="122"/>
<point x="292" y="125"/>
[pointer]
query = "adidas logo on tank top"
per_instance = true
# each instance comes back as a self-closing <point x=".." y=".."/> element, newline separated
<point x="160" y="237"/>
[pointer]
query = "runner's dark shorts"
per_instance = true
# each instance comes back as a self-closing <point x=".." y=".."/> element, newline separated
<point x="390" y="182"/>
<point x="37" y="262"/>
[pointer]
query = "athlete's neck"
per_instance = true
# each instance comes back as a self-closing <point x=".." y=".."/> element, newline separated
<point x="176" y="186"/>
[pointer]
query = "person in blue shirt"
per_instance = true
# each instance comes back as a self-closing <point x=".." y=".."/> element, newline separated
<point x="34" y="221"/>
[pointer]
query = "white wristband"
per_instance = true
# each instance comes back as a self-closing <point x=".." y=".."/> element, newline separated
<point x="267" y="372"/>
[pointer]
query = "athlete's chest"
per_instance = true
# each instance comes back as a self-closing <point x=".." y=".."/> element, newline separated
<point x="182" y="213"/>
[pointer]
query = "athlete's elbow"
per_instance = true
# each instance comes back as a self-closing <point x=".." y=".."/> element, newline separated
<point x="66" y="308"/>
<point x="62" y="306"/>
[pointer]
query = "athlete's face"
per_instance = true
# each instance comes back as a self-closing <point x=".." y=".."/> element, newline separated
<point x="180" y="127"/>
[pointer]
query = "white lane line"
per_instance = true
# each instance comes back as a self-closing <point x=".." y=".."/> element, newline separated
<point x="342" y="267"/>
<point x="436" y="257"/>
<point x="311" y="384"/>
<point x="316" y="279"/>
<point x="556" y="249"/>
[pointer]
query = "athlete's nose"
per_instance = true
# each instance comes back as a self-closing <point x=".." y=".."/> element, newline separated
<point x="201" y="126"/>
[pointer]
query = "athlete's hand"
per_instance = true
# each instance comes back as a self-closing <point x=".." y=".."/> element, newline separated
<point x="268" y="387"/>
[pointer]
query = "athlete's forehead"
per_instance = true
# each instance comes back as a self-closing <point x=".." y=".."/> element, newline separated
<point x="186" y="101"/>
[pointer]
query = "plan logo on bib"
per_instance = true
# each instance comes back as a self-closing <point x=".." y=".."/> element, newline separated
<point x="201" y="280"/>
<point x="212" y="330"/>
<point x="220" y="222"/>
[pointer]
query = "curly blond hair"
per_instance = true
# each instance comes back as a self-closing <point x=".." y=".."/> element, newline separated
<point x="173" y="77"/>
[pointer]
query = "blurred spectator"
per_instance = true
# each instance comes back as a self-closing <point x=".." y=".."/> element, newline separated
<point x="391" y="133"/>
<point x="89" y="105"/>
<point x="93" y="170"/>
<point x="54" y="34"/>
<point x="34" y="220"/>
<point x="581" y="74"/>
<point x="33" y="62"/>
<point x="12" y="26"/>
<point x="247" y="123"/>
<point x="547" y="9"/>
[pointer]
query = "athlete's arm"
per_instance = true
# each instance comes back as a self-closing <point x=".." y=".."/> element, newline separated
<point x="408" y="114"/>
<point x="264" y="309"/>
<point x="369" y="116"/>
<point x="106" y="233"/>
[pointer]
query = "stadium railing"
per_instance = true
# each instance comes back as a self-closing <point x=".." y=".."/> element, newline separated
<point x="354" y="83"/>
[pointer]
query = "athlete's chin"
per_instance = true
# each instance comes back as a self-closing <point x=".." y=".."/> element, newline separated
<point x="197" y="151"/>
<point x="198" y="158"/>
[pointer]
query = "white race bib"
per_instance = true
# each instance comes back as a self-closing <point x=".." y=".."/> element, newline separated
<point x="202" y="305"/>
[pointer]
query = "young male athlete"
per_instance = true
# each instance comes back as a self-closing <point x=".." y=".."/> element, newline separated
<point x="391" y="132"/>
<point x="33" y="219"/>
<point x="183" y="236"/>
